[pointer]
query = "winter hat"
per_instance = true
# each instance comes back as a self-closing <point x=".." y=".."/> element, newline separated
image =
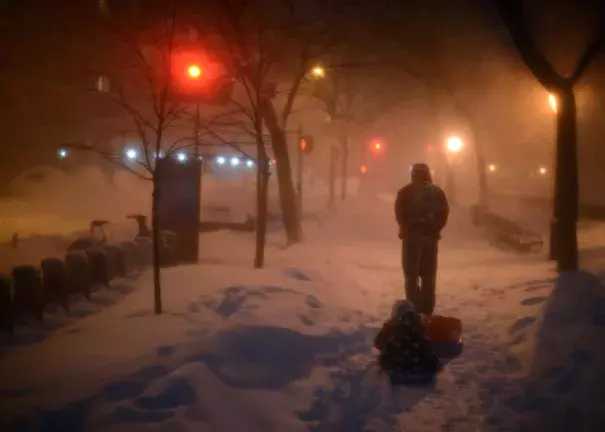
<point x="400" y="308"/>
<point x="422" y="172"/>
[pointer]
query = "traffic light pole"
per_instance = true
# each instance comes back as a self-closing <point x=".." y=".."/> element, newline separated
<point x="299" y="181"/>
<point x="197" y="130"/>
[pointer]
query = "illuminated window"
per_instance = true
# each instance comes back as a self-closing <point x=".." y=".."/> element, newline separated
<point x="102" y="84"/>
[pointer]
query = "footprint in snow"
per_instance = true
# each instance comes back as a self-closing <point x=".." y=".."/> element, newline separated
<point x="306" y="320"/>
<point x="521" y="324"/>
<point x="518" y="339"/>
<point x="537" y="287"/>
<point x="530" y="301"/>
<point x="313" y="302"/>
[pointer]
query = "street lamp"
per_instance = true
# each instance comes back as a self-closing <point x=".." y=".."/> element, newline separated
<point x="62" y="153"/>
<point x="454" y="144"/>
<point x="234" y="161"/>
<point x="131" y="154"/>
<point x="318" y="72"/>
<point x="552" y="101"/>
<point x="194" y="71"/>
<point x="492" y="168"/>
<point x="542" y="171"/>
<point x="220" y="160"/>
<point x="181" y="157"/>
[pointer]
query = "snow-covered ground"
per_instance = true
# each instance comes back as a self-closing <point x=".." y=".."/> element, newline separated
<point x="288" y="348"/>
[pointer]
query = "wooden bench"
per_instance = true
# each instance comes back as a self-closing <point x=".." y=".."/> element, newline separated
<point x="507" y="232"/>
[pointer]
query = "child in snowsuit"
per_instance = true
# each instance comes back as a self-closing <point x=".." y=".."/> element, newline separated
<point x="405" y="352"/>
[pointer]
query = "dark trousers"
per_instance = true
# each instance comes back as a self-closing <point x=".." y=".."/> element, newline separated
<point x="419" y="262"/>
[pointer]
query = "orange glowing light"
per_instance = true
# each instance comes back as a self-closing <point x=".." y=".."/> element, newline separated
<point x="363" y="169"/>
<point x="194" y="71"/>
<point x="303" y="144"/>
<point x="377" y="147"/>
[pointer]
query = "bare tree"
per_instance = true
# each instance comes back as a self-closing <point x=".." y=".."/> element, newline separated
<point x="354" y="98"/>
<point x="564" y="243"/>
<point x="417" y="49"/>
<point x="301" y="35"/>
<point x="139" y="67"/>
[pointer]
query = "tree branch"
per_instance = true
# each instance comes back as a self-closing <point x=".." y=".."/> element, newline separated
<point x="511" y="13"/>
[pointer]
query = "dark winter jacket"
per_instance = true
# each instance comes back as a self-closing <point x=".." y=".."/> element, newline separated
<point x="404" y="210"/>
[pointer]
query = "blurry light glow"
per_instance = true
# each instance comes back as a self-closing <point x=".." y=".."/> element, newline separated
<point x="318" y="72"/>
<point x="552" y="101"/>
<point x="273" y="162"/>
<point x="363" y="169"/>
<point x="62" y="153"/>
<point x="492" y="168"/>
<point x="181" y="156"/>
<point x="542" y="170"/>
<point x="454" y="144"/>
<point x="234" y="161"/>
<point x="194" y="71"/>
<point x="221" y="160"/>
<point x="376" y="147"/>
<point x="249" y="163"/>
<point x="131" y="154"/>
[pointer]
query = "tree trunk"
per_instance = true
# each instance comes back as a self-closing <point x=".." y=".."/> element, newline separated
<point x="566" y="184"/>
<point x="262" y="189"/>
<point x="155" y="234"/>
<point x="481" y="174"/>
<point x="344" y="145"/>
<point x="287" y="193"/>
<point x="332" y="179"/>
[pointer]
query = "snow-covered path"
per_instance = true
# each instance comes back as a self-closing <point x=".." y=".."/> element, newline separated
<point x="289" y="347"/>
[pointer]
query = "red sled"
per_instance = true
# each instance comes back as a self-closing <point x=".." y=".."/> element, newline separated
<point x="445" y="334"/>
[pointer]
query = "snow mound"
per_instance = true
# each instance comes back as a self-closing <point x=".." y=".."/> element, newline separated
<point x="564" y="388"/>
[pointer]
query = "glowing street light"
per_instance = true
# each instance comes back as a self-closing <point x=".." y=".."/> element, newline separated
<point x="552" y="101"/>
<point x="363" y="169"/>
<point x="249" y="163"/>
<point x="492" y="168"/>
<point x="181" y="157"/>
<point x="234" y="161"/>
<point x="62" y="153"/>
<point x="542" y="170"/>
<point x="454" y="144"/>
<point x="221" y="160"/>
<point x="194" y="71"/>
<point x="131" y="154"/>
<point x="318" y="72"/>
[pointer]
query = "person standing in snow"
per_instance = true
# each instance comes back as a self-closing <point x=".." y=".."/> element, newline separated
<point x="421" y="211"/>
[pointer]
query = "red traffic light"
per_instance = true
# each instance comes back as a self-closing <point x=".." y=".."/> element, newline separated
<point x="377" y="147"/>
<point x="194" y="71"/>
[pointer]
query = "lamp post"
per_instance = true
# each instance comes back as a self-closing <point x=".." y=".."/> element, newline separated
<point x="552" y="247"/>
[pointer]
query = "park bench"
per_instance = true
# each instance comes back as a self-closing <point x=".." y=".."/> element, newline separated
<point x="509" y="233"/>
